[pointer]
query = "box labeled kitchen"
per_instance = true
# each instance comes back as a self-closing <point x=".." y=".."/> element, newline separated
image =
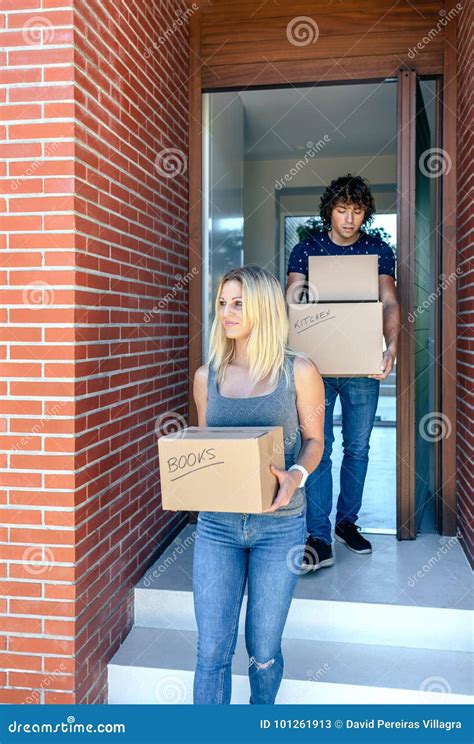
<point x="343" y="335"/>
<point x="343" y="339"/>
<point x="224" y="469"/>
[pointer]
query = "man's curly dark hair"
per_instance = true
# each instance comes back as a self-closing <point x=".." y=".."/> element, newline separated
<point x="347" y="189"/>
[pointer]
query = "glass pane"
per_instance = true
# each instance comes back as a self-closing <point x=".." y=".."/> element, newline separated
<point x="423" y="318"/>
<point x="223" y="221"/>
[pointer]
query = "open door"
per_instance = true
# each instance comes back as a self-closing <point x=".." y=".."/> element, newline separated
<point x="419" y="420"/>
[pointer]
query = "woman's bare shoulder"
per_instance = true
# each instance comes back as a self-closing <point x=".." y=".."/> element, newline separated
<point x="200" y="386"/>
<point x="202" y="373"/>
<point x="306" y="371"/>
<point x="201" y="376"/>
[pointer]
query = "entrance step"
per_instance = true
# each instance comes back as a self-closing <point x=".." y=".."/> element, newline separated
<point x="156" y="666"/>
<point x="318" y="620"/>
<point x="391" y="627"/>
<point x="372" y="599"/>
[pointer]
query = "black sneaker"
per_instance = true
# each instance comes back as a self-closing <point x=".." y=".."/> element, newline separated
<point x="348" y="533"/>
<point x="317" y="554"/>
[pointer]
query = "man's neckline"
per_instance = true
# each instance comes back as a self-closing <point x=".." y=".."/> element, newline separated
<point x="338" y="245"/>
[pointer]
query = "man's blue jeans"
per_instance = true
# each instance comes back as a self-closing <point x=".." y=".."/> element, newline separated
<point x="229" y="550"/>
<point x="359" y="398"/>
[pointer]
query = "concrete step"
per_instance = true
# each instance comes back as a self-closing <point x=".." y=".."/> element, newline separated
<point x="391" y="627"/>
<point x="319" y="620"/>
<point x="156" y="666"/>
<point x="337" y="604"/>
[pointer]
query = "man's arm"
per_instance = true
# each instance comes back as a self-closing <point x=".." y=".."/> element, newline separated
<point x="391" y="323"/>
<point x="294" y="288"/>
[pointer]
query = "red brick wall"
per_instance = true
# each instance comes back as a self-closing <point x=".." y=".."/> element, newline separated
<point x="37" y="355"/>
<point x="97" y="234"/>
<point x="465" y="309"/>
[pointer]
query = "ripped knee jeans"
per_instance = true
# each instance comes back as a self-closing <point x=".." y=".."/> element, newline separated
<point x="233" y="551"/>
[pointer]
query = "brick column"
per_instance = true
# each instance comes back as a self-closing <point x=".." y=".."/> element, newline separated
<point x="94" y="297"/>
<point x="465" y="254"/>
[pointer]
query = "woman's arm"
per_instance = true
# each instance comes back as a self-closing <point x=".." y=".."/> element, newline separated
<point x="310" y="405"/>
<point x="200" y="393"/>
<point x="310" y="402"/>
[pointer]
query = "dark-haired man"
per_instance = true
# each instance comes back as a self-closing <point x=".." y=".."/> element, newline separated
<point x="346" y="207"/>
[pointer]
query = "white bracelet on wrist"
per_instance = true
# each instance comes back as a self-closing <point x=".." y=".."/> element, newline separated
<point x="303" y="471"/>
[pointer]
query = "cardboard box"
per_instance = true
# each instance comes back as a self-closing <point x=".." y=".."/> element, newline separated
<point x="343" y="278"/>
<point x="344" y="339"/>
<point x="224" y="469"/>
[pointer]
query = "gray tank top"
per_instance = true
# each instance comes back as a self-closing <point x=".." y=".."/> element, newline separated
<point x="273" y="409"/>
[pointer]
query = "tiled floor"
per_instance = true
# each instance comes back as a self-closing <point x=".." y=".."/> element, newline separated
<point x="430" y="571"/>
<point x="379" y="501"/>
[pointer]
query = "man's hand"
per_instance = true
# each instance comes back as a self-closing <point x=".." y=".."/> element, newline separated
<point x="289" y="482"/>
<point x="386" y="366"/>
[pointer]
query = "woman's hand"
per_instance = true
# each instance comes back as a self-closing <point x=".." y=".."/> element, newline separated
<point x="289" y="481"/>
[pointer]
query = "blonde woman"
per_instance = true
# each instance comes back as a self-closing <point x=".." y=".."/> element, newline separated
<point x="253" y="379"/>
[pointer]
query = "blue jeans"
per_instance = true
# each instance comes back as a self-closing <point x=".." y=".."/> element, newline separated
<point x="359" y="398"/>
<point x="229" y="550"/>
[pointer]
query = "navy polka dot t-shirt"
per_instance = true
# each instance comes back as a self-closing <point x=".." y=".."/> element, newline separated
<point x="322" y="245"/>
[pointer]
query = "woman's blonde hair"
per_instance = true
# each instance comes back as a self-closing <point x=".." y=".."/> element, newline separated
<point x="263" y="308"/>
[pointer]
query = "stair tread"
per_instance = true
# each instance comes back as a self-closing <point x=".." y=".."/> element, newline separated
<point x="367" y="598"/>
<point x="322" y="661"/>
